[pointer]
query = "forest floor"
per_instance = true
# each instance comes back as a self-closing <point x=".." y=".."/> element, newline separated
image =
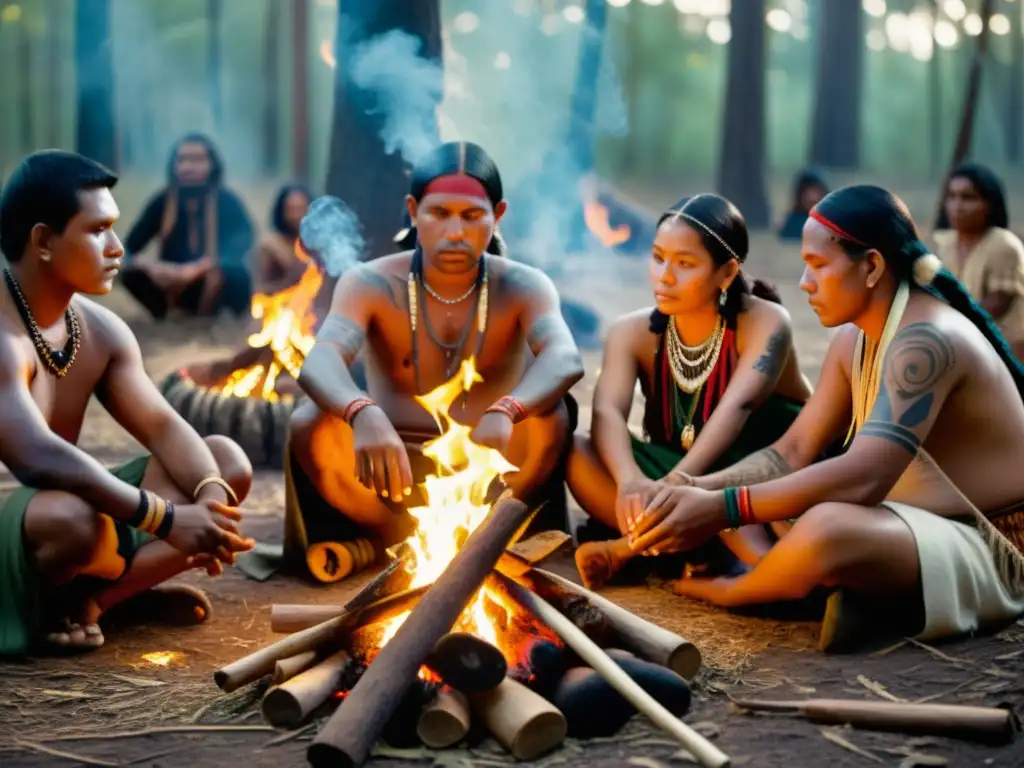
<point x="112" y="707"/>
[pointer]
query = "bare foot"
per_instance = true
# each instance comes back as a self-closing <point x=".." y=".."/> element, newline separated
<point x="179" y="605"/>
<point x="84" y="634"/>
<point x="599" y="561"/>
<point x="715" y="591"/>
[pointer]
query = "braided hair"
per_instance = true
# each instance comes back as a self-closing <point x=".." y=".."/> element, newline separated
<point x="723" y="233"/>
<point x="873" y="218"/>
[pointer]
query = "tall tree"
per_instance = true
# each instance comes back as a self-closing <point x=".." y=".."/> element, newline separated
<point x="1014" y="108"/>
<point x="300" y="88"/>
<point x="835" y="131"/>
<point x="214" y="12"/>
<point x="96" y="131"/>
<point x="360" y="171"/>
<point x="271" y="87"/>
<point x="741" y="165"/>
<point x="26" y="81"/>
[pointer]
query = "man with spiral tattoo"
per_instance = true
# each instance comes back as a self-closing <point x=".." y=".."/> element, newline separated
<point x="353" y="456"/>
<point x="923" y="512"/>
<point x="79" y="538"/>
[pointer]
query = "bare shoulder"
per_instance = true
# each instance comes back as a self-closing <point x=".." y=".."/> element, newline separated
<point x="935" y="340"/>
<point x="761" y="313"/>
<point x="519" y="280"/>
<point x="102" y="325"/>
<point x="382" y="278"/>
<point x="631" y="329"/>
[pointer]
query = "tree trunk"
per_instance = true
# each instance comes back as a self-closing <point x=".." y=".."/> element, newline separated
<point x="835" y="136"/>
<point x="25" y="81"/>
<point x="582" y="137"/>
<point x="965" y="135"/>
<point x="360" y="171"/>
<point x="96" y="131"/>
<point x="935" y="121"/>
<point x="300" y="88"/>
<point x="271" y="87"/>
<point x="54" y="71"/>
<point x="1015" y="90"/>
<point x="213" y="16"/>
<point x="741" y="162"/>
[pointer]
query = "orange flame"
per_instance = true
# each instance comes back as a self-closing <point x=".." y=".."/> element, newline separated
<point x="596" y="217"/>
<point x="287" y="329"/>
<point x="327" y="54"/>
<point x="163" y="658"/>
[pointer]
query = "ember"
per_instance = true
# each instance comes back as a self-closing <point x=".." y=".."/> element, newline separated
<point x="163" y="658"/>
<point x="287" y="331"/>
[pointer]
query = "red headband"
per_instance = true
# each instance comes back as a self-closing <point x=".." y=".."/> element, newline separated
<point x="456" y="184"/>
<point x="835" y="228"/>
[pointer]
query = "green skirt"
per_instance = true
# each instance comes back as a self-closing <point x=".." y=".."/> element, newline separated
<point x="764" y="426"/>
<point x="20" y="586"/>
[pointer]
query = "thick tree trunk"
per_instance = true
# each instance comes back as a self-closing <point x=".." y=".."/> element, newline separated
<point x="96" y="132"/>
<point x="25" y="90"/>
<point x="300" y="88"/>
<point x="1014" y="109"/>
<point x="54" y="71"/>
<point x="271" y="87"/>
<point x="835" y="132"/>
<point x="360" y="171"/>
<point x="214" y="11"/>
<point x="741" y="164"/>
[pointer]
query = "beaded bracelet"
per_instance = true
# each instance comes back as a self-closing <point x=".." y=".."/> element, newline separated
<point x="746" y="509"/>
<point x="355" y="407"/>
<point x="509" y="406"/>
<point x="153" y="515"/>
<point x="732" y="508"/>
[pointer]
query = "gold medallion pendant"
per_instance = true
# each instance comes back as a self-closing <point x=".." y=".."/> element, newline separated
<point x="689" y="435"/>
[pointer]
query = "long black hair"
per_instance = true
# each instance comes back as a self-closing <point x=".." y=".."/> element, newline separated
<point x="989" y="187"/>
<point x="465" y="158"/>
<point x="865" y="217"/>
<point x="723" y="232"/>
<point x="216" y="177"/>
<point x="804" y="179"/>
<point x="277" y="209"/>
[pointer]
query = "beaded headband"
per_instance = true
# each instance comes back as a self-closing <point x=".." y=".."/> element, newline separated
<point x="694" y="220"/>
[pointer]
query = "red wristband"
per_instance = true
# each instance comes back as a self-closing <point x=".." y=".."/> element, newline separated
<point x="746" y="509"/>
<point x="510" y="407"/>
<point x="355" y="407"/>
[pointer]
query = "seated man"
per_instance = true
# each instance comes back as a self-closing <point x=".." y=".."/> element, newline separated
<point x="914" y="508"/>
<point x="78" y="538"/>
<point x="205" y="237"/>
<point x="419" y="315"/>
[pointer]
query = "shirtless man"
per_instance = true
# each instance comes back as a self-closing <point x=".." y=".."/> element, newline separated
<point x="881" y="519"/>
<point x="90" y="537"/>
<point x="350" y="460"/>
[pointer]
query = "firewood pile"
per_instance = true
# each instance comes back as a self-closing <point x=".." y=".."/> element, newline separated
<point x="562" y="661"/>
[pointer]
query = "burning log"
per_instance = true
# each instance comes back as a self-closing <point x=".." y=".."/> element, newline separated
<point x="467" y="663"/>
<point x="332" y="561"/>
<point x="444" y="722"/>
<point x="706" y="752"/>
<point x="523" y="722"/>
<point x="326" y="634"/>
<point x="287" y="705"/>
<point x="645" y="639"/>
<point x="286" y="669"/>
<point x="352" y="730"/>
<point x="286" y="618"/>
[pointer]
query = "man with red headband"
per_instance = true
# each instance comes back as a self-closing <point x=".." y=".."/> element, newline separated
<point x="917" y="528"/>
<point x="353" y="457"/>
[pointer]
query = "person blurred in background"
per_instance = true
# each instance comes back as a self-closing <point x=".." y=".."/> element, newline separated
<point x="809" y="187"/>
<point x="277" y="265"/>
<point x="973" y="240"/>
<point x="205" y="235"/>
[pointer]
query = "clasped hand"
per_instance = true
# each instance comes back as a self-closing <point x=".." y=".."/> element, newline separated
<point x="676" y="518"/>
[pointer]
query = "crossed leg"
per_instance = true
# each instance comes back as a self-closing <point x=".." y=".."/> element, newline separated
<point x="68" y="538"/>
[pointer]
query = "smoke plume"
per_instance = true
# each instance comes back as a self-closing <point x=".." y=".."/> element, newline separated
<point x="330" y="230"/>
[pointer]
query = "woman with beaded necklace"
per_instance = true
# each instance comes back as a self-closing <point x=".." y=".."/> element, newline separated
<point x="716" y="363"/>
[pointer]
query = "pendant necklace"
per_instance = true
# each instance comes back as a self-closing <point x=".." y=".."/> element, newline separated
<point x="57" y="361"/>
<point x="691" y="367"/>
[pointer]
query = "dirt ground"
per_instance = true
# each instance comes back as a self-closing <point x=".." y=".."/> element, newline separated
<point x="112" y="707"/>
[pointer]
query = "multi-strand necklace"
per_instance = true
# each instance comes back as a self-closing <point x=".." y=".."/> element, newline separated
<point x="58" y="361"/>
<point x="691" y="367"/>
<point x="452" y="351"/>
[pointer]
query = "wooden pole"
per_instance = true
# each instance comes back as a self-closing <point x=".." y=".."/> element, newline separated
<point x="330" y="632"/>
<point x="644" y="638"/>
<point x="522" y="721"/>
<point x="468" y="663"/>
<point x="286" y="669"/>
<point x="707" y="753"/>
<point x="349" y="735"/>
<point x="288" y="704"/>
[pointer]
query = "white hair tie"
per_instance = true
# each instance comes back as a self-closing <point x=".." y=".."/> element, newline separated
<point x="926" y="267"/>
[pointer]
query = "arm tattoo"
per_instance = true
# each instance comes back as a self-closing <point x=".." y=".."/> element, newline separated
<point x="918" y="360"/>
<point x="542" y="332"/>
<point x="376" y="281"/>
<point x="760" y="467"/>
<point x="343" y="334"/>
<point x="775" y="353"/>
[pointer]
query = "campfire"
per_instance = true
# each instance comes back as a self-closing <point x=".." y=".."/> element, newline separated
<point x="462" y="627"/>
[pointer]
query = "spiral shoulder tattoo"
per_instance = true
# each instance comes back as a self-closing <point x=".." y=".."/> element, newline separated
<point x="919" y="359"/>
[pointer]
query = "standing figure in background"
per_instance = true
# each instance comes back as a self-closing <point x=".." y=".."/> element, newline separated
<point x="277" y="266"/>
<point x="973" y="240"/>
<point x="715" y="360"/>
<point x="809" y="187"/>
<point x="205" y="237"/>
